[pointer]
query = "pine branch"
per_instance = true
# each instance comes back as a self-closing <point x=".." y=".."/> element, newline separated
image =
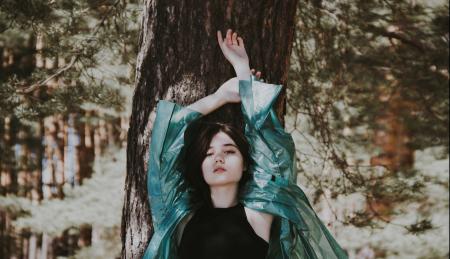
<point x="72" y="61"/>
<point x="44" y="82"/>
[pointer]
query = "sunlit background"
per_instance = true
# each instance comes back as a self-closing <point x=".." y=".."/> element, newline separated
<point x="367" y="104"/>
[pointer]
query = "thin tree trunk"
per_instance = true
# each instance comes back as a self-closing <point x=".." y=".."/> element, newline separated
<point x="6" y="176"/>
<point x="124" y="124"/>
<point x="179" y="59"/>
<point x="4" y="234"/>
<point x="102" y="133"/>
<point x="44" y="246"/>
<point x="37" y="191"/>
<point x="393" y="139"/>
<point x="97" y="138"/>
<point x="53" y="173"/>
<point x="32" y="246"/>
<point x="86" y="152"/>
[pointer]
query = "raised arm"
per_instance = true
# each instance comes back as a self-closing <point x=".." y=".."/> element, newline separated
<point x="228" y="92"/>
<point x="233" y="49"/>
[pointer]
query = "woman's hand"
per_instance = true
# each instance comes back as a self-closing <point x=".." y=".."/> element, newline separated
<point x="228" y="92"/>
<point x="234" y="51"/>
<point x="257" y="74"/>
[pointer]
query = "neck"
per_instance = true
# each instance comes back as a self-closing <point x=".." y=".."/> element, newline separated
<point x="224" y="196"/>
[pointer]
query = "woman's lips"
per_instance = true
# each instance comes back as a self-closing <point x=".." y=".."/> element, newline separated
<point x="219" y="170"/>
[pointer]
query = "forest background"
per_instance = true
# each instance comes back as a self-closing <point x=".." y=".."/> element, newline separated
<point x="367" y="105"/>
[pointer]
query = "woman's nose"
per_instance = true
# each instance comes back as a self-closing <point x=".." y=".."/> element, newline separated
<point x="219" y="157"/>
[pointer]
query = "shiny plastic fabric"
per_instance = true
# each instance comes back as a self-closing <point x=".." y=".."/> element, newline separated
<point x="296" y="232"/>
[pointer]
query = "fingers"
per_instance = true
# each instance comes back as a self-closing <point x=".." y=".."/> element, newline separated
<point x="229" y="41"/>
<point x="256" y="74"/>
<point x="241" y="41"/>
<point x="219" y="38"/>
<point x="234" y="39"/>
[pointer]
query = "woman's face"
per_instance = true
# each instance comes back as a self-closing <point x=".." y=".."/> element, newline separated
<point x="222" y="153"/>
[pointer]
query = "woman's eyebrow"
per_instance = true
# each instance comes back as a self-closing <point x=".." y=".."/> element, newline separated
<point x="227" y="145"/>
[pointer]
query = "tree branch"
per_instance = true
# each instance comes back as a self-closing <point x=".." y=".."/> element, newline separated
<point x="44" y="82"/>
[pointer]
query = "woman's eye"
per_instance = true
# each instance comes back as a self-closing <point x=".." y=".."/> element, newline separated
<point x="230" y="152"/>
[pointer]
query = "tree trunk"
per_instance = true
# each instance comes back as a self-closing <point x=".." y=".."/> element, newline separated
<point x="32" y="243"/>
<point x="45" y="247"/>
<point x="53" y="173"/>
<point x="86" y="153"/>
<point x="396" y="153"/>
<point x="179" y="59"/>
<point x="6" y="174"/>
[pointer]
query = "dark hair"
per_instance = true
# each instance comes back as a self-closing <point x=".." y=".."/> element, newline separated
<point x="197" y="139"/>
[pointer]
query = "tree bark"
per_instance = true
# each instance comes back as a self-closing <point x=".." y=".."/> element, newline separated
<point x="179" y="60"/>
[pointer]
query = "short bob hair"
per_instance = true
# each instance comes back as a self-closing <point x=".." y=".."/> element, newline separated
<point x="198" y="137"/>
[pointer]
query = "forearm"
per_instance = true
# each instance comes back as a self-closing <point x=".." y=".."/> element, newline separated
<point x="207" y="104"/>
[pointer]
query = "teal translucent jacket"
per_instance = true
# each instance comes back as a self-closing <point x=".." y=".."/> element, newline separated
<point x="296" y="232"/>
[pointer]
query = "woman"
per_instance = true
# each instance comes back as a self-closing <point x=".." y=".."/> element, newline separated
<point x="216" y="168"/>
<point x="226" y="201"/>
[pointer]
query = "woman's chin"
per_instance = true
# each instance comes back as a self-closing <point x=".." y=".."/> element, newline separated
<point x="223" y="182"/>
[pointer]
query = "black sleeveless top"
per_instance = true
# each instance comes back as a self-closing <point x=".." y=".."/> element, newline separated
<point x="221" y="233"/>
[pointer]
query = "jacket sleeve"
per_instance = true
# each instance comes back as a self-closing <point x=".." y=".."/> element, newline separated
<point x="273" y="149"/>
<point x="298" y="232"/>
<point x="164" y="180"/>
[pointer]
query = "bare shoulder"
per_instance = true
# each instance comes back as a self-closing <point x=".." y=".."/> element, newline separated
<point x="258" y="215"/>
<point x="261" y="222"/>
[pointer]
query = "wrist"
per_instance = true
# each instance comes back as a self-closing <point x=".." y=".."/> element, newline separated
<point x="243" y="71"/>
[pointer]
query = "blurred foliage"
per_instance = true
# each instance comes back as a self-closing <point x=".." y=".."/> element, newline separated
<point x="62" y="57"/>
<point x="348" y="52"/>
<point x="81" y="32"/>
<point x="354" y="62"/>
<point x="97" y="203"/>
